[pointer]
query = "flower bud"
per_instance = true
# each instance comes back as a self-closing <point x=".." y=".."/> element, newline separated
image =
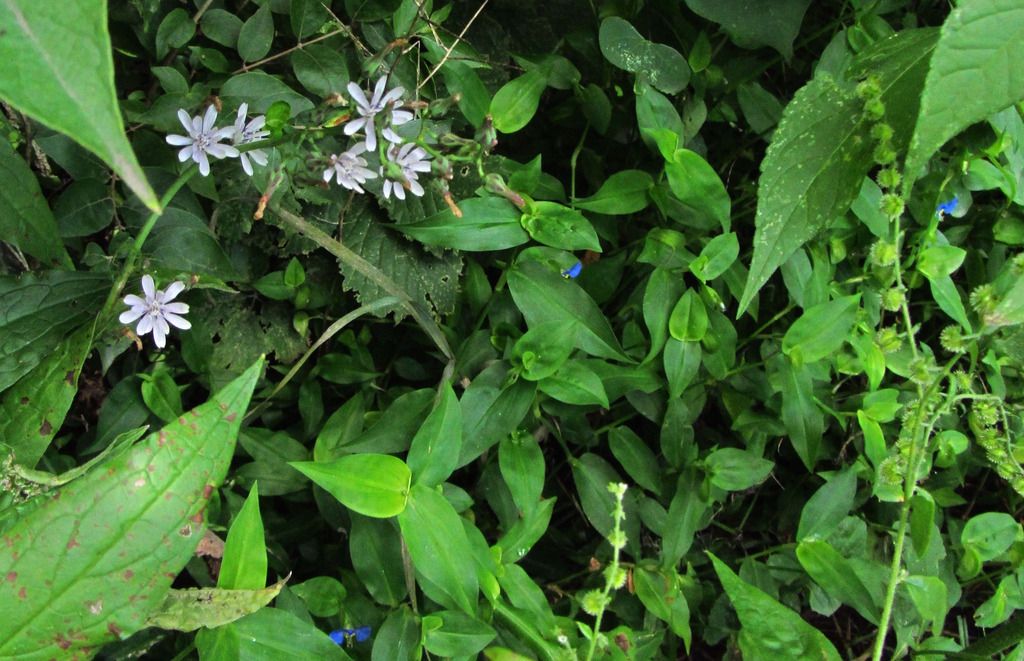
<point x="892" y="205"/>
<point x="889" y="178"/>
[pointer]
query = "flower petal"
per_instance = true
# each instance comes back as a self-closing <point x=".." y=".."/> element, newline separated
<point x="209" y="119"/>
<point x="378" y="91"/>
<point x="176" y="321"/>
<point x="186" y="153"/>
<point x="178" y="140"/>
<point x="173" y="290"/>
<point x="159" y="334"/>
<point x="149" y="287"/>
<point x="357" y="95"/>
<point x="204" y="163"/>
<point x="185" y="119"/>
<point x="134" y="301"/>
<point x="401" y="117"/>
<point x="145" y="325"/>
<point x="176" y="308"/>
<point x="128" y="316"/>
<point x="371" y="134"/>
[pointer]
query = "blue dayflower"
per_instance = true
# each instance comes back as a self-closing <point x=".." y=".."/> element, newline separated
<point x="359" y="634"/>
<point x="947" y="207"/>
<point x="573" y="271"/>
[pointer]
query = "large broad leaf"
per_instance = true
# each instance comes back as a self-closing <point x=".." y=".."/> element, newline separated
<point x="769" y="629"/>
<point x="34" y="408"/>
<point x="439" y="547"/>
<point x="37" y="310"/>
<point x="542" y="295"/>
<point x="752" y="24"/>
<point x="120" y="534"/>
<point x="811" y="173"/>
<point x="58" y="69"/>
<point x="975" y="72"/>
<point x="25" y="218"/>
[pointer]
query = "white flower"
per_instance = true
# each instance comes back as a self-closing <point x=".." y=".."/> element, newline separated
<point x="349" y="168"/>
<point x="242" y="134"/>
<point x="377" y="103"/>
<point x="202" y="139"/>
<point x="156" y="310"/>
<point x="410" y="160"/>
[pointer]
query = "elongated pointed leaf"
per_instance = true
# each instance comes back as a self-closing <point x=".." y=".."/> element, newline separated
<point x="119" y="535"/>
<point x="434" y="452"/>
<point x="769" y="629"/>
<point x="244" y="565"/>
<point x="188" y="610"/>
<point x="67" y="82"/>
<point x="375" y="485"/>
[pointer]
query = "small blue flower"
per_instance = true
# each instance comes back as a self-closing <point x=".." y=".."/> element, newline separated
<point x="947" y="207"/>
<point x="573" y="271"/>
<point x="360" y="634"/>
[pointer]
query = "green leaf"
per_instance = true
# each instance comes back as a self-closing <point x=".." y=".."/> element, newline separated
<point x="575" y="383"/>
<point x="491" y="409"/>
<point x="181" y="241"/>
<point x="375" y="485"/>
<point x="974" y="73"/>
<point x="929" y="596"/>
<point x="194" y="608"/>
<point x="434" y="451"/>
<point x="307" y="16"/>
<point x="689" y="320"/>
<point x="804" y="421"/>
<point x="514" y="105"/>
<point x="751" y="24"/>
<point x="558" y="226"/>
<point x="660" y="595"/>
<point x="34" y="408"/>
<point x="544" y="348"/>
<point x="522" y="468"/>
<point x="105" y="523"/>
<point x="543" y="295"/>
<point x="376" y="551"/>
<point x="1010" y="310"/>
<point x="681" y="362"/>
<point x="256" y="35"/>
<point x="487" y="223"/>
<point x="622" y="193"/>
<point x="176" y="30"/>
<point x="439" y="547"/>
<point x="25" y="218"/>
<point x="716" y="257"/>
<point x="321" y="69"/>
<point x="458" y="636"/>
<point x="84" y="208"/>
<point x="989" y="535"/>
<point x="937" y="261"/>
<point x="821" y="330"/>
<point x="341" y="429"/>
<point x="221" y="26"/>
<point x="261" y="91"/>
<point x="947" y="297"/>
<point x="37" y="310"/>
<point x="399" y="638"/>
<point x="828" y="506"/>
<point x="733" y="469"/>
<point x="592" y="475"/>
<point x="639" y="461"/>
<point x="660" y="65"/>
<point x="323" y="595"/>
<point x="769" y="629"/>
<point x="696" y="184"/>
<point x="811" y="174"/>
<point x="526" y="532"/>
<point x="269" y="633"/>
<point x="244" y="563"/>
<point x="922" y="520"/>
<point x="396" y="426"/>
<point x="836" y="576"/>
<point x="68" y="84"/>
<point x="428" y="278"/>
<point x="663" y="291"/>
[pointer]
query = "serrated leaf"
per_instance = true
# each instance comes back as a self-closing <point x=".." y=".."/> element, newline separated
<point x="812" y="172"/>
<point x="428" y="279"/>
<point x="112" y="574"/>
<point x="36" y="311"/>
<point x="769" y="630"/>
<point x="33" y="409"/>
<point x="25" y="218"/>
<point x="191" y="609"/>
<point x="68" y="84"/>
<point x="974" y="73"/>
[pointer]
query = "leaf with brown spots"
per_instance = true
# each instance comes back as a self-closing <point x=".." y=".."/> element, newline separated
<point x="33" y="409"/>
<point x="103" y="551"/>
<point x="187" y="610"/>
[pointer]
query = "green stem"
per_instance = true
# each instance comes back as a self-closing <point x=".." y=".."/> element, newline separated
<point x="512" y="620"/>
<point x="136" y="250"/>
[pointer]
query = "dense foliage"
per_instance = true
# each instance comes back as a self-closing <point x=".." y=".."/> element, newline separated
<point x="388" y="329"/>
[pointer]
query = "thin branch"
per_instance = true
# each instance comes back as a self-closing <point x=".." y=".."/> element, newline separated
<point x="288" y="51"/>
<point x="448" y="51"/>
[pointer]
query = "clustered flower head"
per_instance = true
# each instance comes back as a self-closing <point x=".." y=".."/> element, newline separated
<point x="378" y="112"/>
<point x="204" y="139"/>
<point x="155" y="312"/>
